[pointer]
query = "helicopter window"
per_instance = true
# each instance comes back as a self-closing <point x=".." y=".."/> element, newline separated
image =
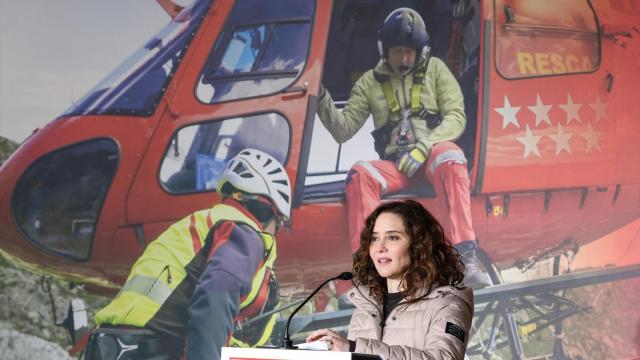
<point x="136" y="86"/>
<point x="280" y="55"/>
<point x="260" y="58"/>
<point x="57" y="201"/>
<point x="552" y="37"/>
<point x="197" y="154"/>
<point x="242" y="51"/>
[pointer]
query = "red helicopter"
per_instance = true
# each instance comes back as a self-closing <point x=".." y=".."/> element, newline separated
<point x="550" y="137"/>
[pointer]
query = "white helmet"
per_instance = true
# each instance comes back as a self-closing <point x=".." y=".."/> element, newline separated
<point x="256" y="172"/>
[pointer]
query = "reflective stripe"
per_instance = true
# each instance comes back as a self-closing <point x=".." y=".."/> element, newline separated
<point x="252" y="305"/>
<point x="195" y="238"/>
<point x="210" y="219"/>
<point x="153" y="288"/>
<point x="266" y="333"/>
<point x="260" y="278"/>
<point x="449" y="155"/>
<point x="374" y="172"/>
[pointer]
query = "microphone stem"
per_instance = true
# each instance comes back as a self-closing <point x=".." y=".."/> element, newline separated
<point x="287" y="343"/>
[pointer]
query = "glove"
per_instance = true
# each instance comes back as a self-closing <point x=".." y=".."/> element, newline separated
<point x="410" y="162"/>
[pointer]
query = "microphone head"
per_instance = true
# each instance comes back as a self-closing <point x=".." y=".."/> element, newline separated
<point x="345" y="276"/>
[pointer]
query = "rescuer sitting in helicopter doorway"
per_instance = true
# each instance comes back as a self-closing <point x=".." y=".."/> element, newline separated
<point x="204" y="273"/>
<point x="418" y="111"/>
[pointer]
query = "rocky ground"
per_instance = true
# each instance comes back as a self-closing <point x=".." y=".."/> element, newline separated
<point x="6" y="148"/>
<point x="27" y="329"/>
<point x="15" y="345"/>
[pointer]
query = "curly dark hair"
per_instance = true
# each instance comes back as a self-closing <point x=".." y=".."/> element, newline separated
<point x="434" y="261"/>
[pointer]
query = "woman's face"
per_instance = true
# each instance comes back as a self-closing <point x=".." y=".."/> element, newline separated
<point x="389" y="249"/>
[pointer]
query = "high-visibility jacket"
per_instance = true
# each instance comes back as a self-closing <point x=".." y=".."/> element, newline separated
<point x="158" y="291"/>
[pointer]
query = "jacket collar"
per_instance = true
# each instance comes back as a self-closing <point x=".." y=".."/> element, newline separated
<point x="362" y="299"/>
<point x="236" y="205"/>
<point x="383" y="68"/>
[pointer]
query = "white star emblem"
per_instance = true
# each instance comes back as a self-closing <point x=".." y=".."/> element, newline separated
<point x="572" y="110"/>
<point x="591" y="137"/>
<point x="541" y="110"/>
<point x="508" y="113"/>
<point x="600" y="108"/>
<point x="562" y="140"/>
<point x="530" y="143"/>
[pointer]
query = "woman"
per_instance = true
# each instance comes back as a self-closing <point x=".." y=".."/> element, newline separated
<point x="408" y="295"/>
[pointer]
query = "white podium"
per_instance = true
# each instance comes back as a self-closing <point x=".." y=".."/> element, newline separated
<point x="233" y="353"/>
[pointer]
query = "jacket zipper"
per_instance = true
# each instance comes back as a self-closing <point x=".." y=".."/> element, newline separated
<point x="168" y="269"/>
<point x="391" y="314"/>
<point x="169" y="278"/>
<point x="374" y="315"/>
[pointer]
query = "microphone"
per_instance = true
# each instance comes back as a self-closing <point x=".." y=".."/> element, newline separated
<point x="286" y="340"/>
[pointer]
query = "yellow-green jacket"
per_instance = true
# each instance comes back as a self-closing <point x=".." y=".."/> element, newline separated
<point x="440" y="94"/>
<point x="215" y="263"/>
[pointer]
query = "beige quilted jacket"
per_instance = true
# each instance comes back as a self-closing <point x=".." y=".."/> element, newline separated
<point x="436" y="327"/>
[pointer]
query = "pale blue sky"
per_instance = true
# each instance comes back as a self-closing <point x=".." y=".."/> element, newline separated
<point x="53" y="51"/>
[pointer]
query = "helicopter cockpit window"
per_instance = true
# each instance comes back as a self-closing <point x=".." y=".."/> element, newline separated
<point x="57" y="201"/>
<point x="136" y="86"/>
<point x="198" y="153"/>
<point x="242" y="51"/>
<point x="261" y="50"/>
<point x="545" y="37"/>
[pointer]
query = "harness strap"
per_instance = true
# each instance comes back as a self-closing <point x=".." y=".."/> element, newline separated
<point x="416" y="90"/>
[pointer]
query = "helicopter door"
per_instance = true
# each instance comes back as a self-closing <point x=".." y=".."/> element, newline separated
<point x="244" y="83"/>
<point x="547" y="125"/>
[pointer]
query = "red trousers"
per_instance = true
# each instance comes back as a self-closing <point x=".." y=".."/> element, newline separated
<point x="445" y="169"/>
